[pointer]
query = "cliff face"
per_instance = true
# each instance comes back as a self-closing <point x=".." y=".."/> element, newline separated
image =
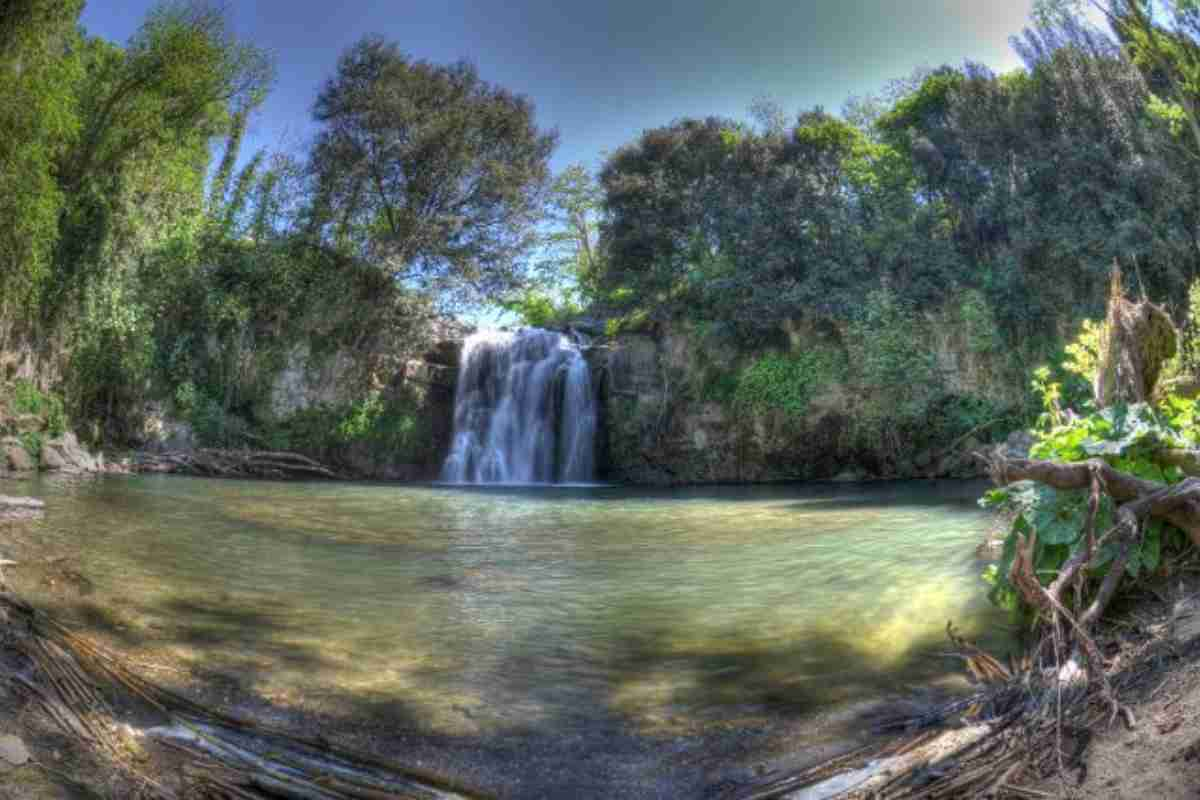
<point x="378" y="426"/>
<point x="660" y="426"/>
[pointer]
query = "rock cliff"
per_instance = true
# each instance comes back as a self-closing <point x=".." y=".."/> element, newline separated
<point x="662" y="423"/>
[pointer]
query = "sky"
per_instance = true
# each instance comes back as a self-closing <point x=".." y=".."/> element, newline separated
<point x="602" y="72"/>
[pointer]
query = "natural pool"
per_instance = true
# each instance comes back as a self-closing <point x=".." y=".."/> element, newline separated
<point x="479" y="613"/>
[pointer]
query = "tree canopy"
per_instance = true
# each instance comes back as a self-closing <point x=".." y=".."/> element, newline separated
<point x="428" y="171"/>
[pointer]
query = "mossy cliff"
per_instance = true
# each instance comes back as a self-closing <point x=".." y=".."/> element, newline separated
<point x="898" y="396"/>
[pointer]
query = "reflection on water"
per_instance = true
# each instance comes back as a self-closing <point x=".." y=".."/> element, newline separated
<point x="487" y="609"/>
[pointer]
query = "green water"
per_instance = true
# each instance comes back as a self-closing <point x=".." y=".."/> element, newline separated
<point x="478" y="611"/>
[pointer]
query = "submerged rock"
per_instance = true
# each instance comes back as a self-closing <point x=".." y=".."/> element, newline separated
<point x="7" y="502"/>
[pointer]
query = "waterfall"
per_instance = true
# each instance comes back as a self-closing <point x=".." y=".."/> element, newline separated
<point x="524" y="411"/>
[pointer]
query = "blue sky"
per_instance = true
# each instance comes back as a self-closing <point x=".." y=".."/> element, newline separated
<point x="601" y="72"/>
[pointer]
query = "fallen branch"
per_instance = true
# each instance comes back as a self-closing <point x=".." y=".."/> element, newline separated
<point x="215" y="463"/>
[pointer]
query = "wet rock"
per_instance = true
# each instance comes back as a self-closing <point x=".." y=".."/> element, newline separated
<point x="7" y="502"/>
<point x="65" y="454"/>
<point x="1185" y="620"/>
<point x="13" y="753"/>
<point x="15" y="457"/>
<point x="20" y="507"/>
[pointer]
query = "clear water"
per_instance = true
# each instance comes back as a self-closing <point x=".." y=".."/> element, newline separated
<point x="484" y="610"/>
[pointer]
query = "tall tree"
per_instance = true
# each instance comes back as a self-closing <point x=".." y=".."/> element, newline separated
<point x="428" y="171"/>
<point x="571" y="247"/>
<point x="39" y="71"/>
<point x="148" y="113"/>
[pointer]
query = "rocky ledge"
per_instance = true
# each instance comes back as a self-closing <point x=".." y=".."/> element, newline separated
<point x="59" y="454"/>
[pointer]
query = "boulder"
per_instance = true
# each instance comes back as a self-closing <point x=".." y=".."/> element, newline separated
<point x="19" y="508"/>
<point x="1017" y="445"/>
<point x="64" y="454"/>
<point x="177" y="436"/>
<point x="8" y="502"/>
<point x="13" y="753"/>
<point x="15" y="457"/>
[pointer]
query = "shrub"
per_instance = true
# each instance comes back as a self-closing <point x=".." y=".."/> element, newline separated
<point x="786" y="383"/>
<point x="28" y="399"/>
<point x="1128" y="438"/>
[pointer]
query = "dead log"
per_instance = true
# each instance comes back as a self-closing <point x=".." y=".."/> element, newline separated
<point x="27" y="503"/>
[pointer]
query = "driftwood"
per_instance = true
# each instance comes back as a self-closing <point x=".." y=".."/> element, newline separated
<point x="20" y="507"/>
<point x="235" y="464"/>
<point x="29" y="503"/>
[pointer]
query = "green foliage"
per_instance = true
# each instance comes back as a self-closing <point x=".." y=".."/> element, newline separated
<point x="786" y="383"/>
<point x="1083" y="354"/>
<point x="888" y="347"/>
<point x="571" y="257"/>
<point x="635" y="321"/>
<point x="979" y="322"/>
<point x="541" y="310"/>
<point x="427" y="171"/>
<point x="28" y="399"/>
<point x="1066" y="384"/>
<point x="1130" y="439"/>
<point x="31" y="442"/>
<point x="388" y="428"/>
<point x="39" y="121"/>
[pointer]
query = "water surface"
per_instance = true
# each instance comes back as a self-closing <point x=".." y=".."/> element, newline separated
<point x="483" y="611"/>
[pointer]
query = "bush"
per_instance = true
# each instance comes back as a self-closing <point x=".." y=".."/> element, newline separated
<point x="1128" y="438"/>
<point x="28" y="399"/>
<point x="390" y="426"/>
<point x="786" y="383"/>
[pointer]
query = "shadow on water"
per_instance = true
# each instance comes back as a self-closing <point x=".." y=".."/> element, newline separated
<point x="736" y="709"/>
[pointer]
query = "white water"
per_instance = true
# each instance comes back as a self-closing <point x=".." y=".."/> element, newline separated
<point x="524" y="411"/>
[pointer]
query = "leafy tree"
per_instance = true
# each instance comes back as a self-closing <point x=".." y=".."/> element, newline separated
<point x="39" y="69"/>
<point x="569" y="258"/>
<point x="572" y="248"/>
<point x="426" y="170"/>
<point x="158" y="101"/>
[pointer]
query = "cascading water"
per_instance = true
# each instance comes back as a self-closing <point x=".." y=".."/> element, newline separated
<point x="524" y="411"/>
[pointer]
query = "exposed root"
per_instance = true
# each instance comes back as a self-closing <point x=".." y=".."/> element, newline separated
<point x="1022" y="726"/>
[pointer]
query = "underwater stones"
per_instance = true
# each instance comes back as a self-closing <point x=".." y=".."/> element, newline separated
<point x="20" y="507"/>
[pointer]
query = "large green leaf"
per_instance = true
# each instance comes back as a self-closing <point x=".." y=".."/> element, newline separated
<point x="1057" y="516"/>
<point x="1151" y="550"/>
